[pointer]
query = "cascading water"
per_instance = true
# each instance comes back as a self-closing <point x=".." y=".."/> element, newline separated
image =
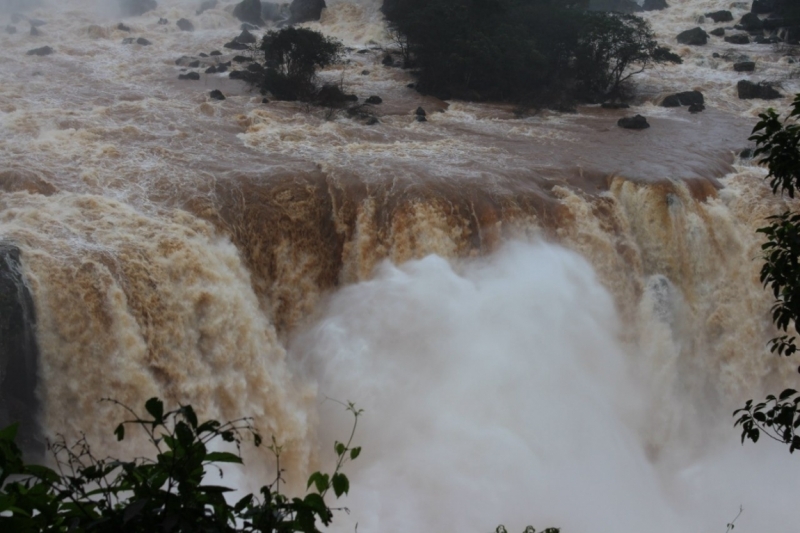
<point x="546" y="319"/>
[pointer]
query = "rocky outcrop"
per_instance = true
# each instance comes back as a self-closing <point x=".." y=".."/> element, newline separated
<point x="750" y="22"/>
<point x="761" y="7"/>
<point x="19" y="352"/>
<point x="765" y="91"/>
<point x="718" y="32"/>
<point x="637" y="122"/>
<point x="305" y="10"/>
<point x="695" y="36"/>
<point x="249" y="11"/>
<point x="654" y="5"/>
<point x="720" y="16"/>
<point x="134" y="8"/>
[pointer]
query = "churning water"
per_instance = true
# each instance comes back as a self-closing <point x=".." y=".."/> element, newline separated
<point x="548" y="320"/>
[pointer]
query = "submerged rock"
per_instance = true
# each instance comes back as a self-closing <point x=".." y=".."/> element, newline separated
<point x="185" y="25"/>
<point x="43" y="51"/>
<point x="744" y="66"/>
<point x="189" y="76"/>
<point x="637" y="122"/>
<point x="216" y="94"/>
<point x="143" y="42"/>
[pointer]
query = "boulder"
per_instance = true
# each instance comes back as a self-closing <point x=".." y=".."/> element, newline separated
<point x="215" y="53"/>
<point x="744" y="66"/>
<point x="206" y="5"/>
<point x="185" y="25"/>
<point x="374" y="100"/>
<point x="43" y="51"/>
<point x="388" y="60"/>
<point x="421" y="118"/>
<point x="216" y="94"/>
<point x="236" y="45"/>
<point x="738" y="38"/>
<point x="203" y="54"/>
<point x="695" y="36"/>
<point x="241" y="59"/>
<point x="696" y="108"/>
<point x="420" y="112"/>
<point x="637" y="122"/>
<point x="720" y="16"/>
<point x="211" y="70"/>
<point x="691" y="97"/>
<point x="134" y="8"/>
<point x="654" y="5"/>
<point x="246" y="38"/>
<point x="760" y="7"/>
<point x="717" y="32"/>
<point x="123" y="27"/>
<point x="671" y="101"/>
<point x="305" y="10"/>
<point x="371" y="121"/>
<point x="750" y="22"/>
<point x="189" y="76"/>
<point x="249" y="11"/>
<point x="748" y="90"/>
<point x="194" y="64"/>
<point x="142" y="41"/>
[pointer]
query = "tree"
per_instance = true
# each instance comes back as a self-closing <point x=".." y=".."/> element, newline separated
<point x="167" y="494"/>
<point x="778" y="145"/>
<point x="292" y="57"/>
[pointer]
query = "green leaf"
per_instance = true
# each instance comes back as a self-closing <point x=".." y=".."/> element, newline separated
<point x="189" y="415"/>
<point x="340" y="448"/>
<point x="320" y="480"/>
<point x="133" y="510"/>
<point x="155" y="407"/>
<point x="316" y="503"/>
<point x="241" y="504"/>
<point x="120" y="432"/>
<point x="341" y="485"/>
<point x="223" y="457"/>
<point x="787" y="393"/>
<point x="355" y="452"/>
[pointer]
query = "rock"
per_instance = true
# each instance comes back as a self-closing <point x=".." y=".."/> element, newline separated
<point x="11" y="29"/>
<point x="696" y="108"/>
<point x="249" y="27"/>
<point x="633" y="123"/>
<point x="691" y="97"/>
<point x="163" y="21"/>
<point x="695" y="36"/>
<point x="274" y="12"/>
<point x="739" y="38"/>
<point x="142" y="41"/>
<point x="194" y="64"/>
<point x="760" y="7"/>
<point x="255" y="67"/>
<point x="371" y="121"/>
<point x="718" y="32"/>
<point x="222" y="67"/>
<point x="134" y="8"/>
<point x="246" y="38"/>
<point x="720" y="16"/>
<point x="35" y="31"/>
<point x="617" y="6"/>
<point x="216" y="94"/>
<point x="365" y="72"/>
<point x="237" y="74"/>
<point x="715" y="55"/>
<point x="236" y="45"/>
<point x="388" y="60"/>
<point x="654" y="5"/>
<point x="411" y="85"/>
<point x="421" y="118"/>
<point x="189" y="76"/>
<point x="211" y="70"/>
<point x="305" y="10"/>
<point x="43" y="51"/>
<point x="420" y="112"/>
<point x="241" y="59"/>
<point x="747" y="153"/>
<point x="750" y="22"/>
<point x="374" y="100"/>
<point x="671" y="101"/>
<point x="748" y="90"/>
<point x="203" y="54"/>
<point x="123" y="27"/>
<point x="249" y="11"/>
<point x="265" y="100"/>
<point x="19" y="352"/>
<point x="790" y="35"/>
<point x="215" y="53"/>
<point x="205" y="6"/>
<point x="744" y="66"/>
<point x="185" y="25"/>
<point x="614" y="105"/>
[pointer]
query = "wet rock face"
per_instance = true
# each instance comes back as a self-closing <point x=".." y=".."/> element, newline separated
<point x="306" y="10"/>
<point x="19" y="352"/>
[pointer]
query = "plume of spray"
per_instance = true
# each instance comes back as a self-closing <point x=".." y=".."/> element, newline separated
<point x="499" y="392"/>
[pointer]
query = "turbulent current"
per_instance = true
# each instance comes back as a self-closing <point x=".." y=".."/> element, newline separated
<point x="546" y="319"/>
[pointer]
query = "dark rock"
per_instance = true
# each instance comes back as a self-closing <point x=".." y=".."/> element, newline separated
<point x="235" y="45"/>
<point x="790" y="35"/>
<point x="194" y="64"/>
<point x="633" y="123"/>
<point x="720" y="16"/>
<point x="241" y="59"/>
<point x="211" y="70"/>
<point x="203" y="54"/>
<point x="374" y="100"/>
<point x="237" y="74"/>
<point x="43" y="51"/>
<point x="274" y="12"/>
<point x="255" y="67"/>
<point x="388" y="60"/>
<point x="695" y="36"/>
<point x="371" y="121"/>
<point x="744" y="66"/>
<point x="163" y="21"/>
<point x="760" y="7"/>
<point x="216" y="94"/>
<point x="185" y="25"/>
<point x="617" y="6"/>
<point x="718" y="32"/>
<point x="222" y="67"/>
<point x="614" y="105"/>
<point x="19" y="352"/>
<point x="421" y="118"/>
<point x="696" y="108"/>
<point x="123" y="27"/>
<point x="189" y="76"/>
<point x="11" y="29"/>
<point x="420" y="112"/>
<point x="365" y="73"/>
<point x="134" y="8"/>
<point x="206" y="5"/>
<point x="265" y="100"/>
<point x="246" y="37"/>
<point x="747" y="153"/>
<point x="691" y="97"/>
<point x="738" y="38"/>
<point x="215" y="53"/>
<point x="128" y="40"/>
<point x="305" y="10"/>
<point x="35" y="31"/>
<point x="750" y="22"/>
<point x="671" y="101"/>
<point x="654" y="5"/>
<point x="363" y="51"/>
<point x="715" y="55"/>
<point x="249" y="11"/>
<point x="748" y="90"/>
<point x="411" y="85"/>
<point x="142" y="41"/>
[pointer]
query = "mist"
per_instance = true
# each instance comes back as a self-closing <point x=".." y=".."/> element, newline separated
<point x="499" y="392"/>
